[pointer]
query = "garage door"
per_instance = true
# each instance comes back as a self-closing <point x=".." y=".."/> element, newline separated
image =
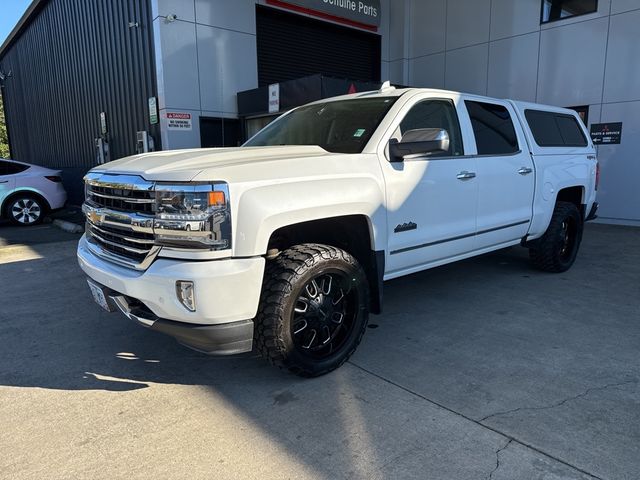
<point x="293" y="46"/>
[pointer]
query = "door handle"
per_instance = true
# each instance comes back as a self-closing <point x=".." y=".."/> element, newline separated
<point x="525" y="171"/>
<point x="4" y="181"/>
<point x="464" y="175"/>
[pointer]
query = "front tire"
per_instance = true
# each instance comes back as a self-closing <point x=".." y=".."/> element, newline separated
<point x="25" y="210"/>
<point x="313" y="309"/>
<point x="556" y="250"/>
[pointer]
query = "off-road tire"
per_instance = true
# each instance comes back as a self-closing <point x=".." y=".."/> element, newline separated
<point x="548" y="253"/>
<point x="285" y="277"/>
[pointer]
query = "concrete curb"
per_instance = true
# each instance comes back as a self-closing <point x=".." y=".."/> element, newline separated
<point x="68" y="226"/>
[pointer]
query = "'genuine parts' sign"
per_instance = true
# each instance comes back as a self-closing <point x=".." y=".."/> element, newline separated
<point x="359" y="13"/>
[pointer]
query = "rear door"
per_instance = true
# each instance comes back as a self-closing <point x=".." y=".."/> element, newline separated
<point x="505" y="173"/>
<point x="7" y="180"/>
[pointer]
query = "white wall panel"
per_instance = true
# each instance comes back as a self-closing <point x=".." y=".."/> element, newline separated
<point x="178" y="72"/>
<point x="618" y="6"/>
<point x="384" y="71"/>
<point x="594" y="113"/>
<point x="467" y="22"/>
<point x="514" y="17"/>
<point x="383" y="30"/>
<point x="466" y="69"/>
<point x="398" y="32"/>
<point x="184" y="9"/>
<point x="178" y="139"/>
<point x="237" y="15"/>
<point x="228" y="64"/>
<point x="513" y="65"/>
<point x="427" y="71"/>
<point x="572" y="63"/>
<point x="397" y="72"/>
<point x="427" y="27"/>
<point x="622" y="78"/>
<point x="618" y="194"/>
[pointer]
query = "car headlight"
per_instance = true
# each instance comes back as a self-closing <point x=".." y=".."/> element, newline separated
<point x="193" y="216"/>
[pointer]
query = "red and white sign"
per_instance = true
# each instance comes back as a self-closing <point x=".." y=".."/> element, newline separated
<point x="179" y="121"/>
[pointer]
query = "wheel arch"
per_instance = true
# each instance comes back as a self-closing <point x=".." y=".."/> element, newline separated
<point x="16" y="193"/>
<point x="574" y="194"/>
<point x="352" y="233"/>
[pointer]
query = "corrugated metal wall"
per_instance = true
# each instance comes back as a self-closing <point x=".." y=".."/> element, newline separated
<point x="74" y="60"/>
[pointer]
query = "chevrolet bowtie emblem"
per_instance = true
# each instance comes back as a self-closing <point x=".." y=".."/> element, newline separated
<point x="94" y="217"/>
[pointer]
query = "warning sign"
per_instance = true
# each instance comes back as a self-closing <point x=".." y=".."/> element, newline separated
<point x="178" y="121"/>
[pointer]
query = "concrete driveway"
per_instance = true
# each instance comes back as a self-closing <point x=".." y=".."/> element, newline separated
<point x="482" y="369"/>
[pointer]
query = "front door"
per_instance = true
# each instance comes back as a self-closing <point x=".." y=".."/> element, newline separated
<point x="431" y="200"/>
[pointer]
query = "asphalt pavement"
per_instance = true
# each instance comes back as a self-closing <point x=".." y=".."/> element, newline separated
<point x="481" y="369"/>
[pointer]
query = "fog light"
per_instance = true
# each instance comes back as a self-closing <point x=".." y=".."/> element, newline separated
<point x="186" y="294"/>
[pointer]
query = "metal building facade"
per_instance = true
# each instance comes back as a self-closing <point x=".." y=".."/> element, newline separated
<point x="70" y="62"/>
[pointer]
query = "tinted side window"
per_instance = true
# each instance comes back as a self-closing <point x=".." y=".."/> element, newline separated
<point x="493" y="128"/>
<point x="16" y="168"/>
<point x="555" y="129"/>
<point x="8" y="168"/>
<point x="436" y="114"/>
<point x="570" y="131"/>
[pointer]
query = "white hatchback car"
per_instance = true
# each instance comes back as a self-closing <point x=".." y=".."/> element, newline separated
<point x="27" y="192"/>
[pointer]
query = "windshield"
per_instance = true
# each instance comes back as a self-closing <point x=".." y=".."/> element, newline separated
<point x="343" y="126"/>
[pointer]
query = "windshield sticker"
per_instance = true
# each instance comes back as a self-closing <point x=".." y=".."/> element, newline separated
<point x="359" y="132"/>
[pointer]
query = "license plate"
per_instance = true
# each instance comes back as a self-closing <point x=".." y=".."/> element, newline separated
<point x="99" y="296"/>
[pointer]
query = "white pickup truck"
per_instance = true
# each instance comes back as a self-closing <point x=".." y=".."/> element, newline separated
<point x="284" y="244"/>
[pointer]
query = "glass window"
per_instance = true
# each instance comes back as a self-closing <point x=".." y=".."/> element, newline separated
<point x="11" y="168"/>
<point x="343" y="126"/>
<point x="552" y="129"/>
<point x="493" y="128"/>
<point x="558" y="9"/>
<point x="436" y="114"/>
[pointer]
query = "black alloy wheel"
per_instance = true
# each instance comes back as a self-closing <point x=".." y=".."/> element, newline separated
<point x="557" y="249"/>
<point x="324" y="314"/>
<point x="313" y="309"/>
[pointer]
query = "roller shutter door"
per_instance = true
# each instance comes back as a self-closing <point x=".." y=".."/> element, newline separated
<point x="293" y="46"/>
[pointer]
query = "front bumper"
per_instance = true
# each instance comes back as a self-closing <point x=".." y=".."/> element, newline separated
<point x="227" y="293"/>
<point x="224" y="339"/>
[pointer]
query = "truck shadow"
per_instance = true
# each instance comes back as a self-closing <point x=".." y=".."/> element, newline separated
<point x="54" y="336"/>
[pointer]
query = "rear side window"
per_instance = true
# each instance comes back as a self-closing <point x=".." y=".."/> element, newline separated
<point x="9" y="168"/>
<point x="551" y="129"/>
<point x="493" y="128"/>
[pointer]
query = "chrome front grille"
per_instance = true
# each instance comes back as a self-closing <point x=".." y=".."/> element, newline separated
<point x="135" y="246"/>
<point x="120" y="213"/>
<point x="122" y="200"/>
<point x="121" y="193"/>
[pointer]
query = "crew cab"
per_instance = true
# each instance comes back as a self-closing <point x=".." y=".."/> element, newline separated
<point x="284" y="244"/>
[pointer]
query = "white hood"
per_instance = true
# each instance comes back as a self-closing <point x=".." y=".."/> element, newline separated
<point x="185" y="165"/>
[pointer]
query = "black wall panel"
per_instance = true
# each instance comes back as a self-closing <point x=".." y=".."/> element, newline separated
<point x="292" y="46"/>
<point x="73" y="60"/>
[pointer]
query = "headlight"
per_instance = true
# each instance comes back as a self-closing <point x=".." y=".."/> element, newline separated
<point x="193" y="216"/>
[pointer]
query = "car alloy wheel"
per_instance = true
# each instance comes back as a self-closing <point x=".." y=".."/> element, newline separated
<point x="26" y="211"/>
